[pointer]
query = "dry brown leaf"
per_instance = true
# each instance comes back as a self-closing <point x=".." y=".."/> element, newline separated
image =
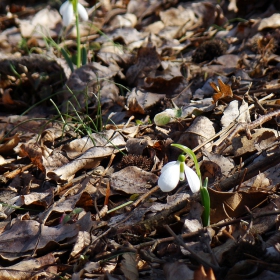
<point x="169" y="87"/>
<point x="28" y="269"/>
<point x="148" y="61"/>
<point x="136" y="146"/>
<point x="200" y="130"/>
<point x="10" y="144"/>
<point x="234" y="203"/>
<point x="242" y="145"/>
<point x="34" y="152"/>
<point x="82" y="241"/>
<point x="222" y="91"/>
<point x="211" y="170"/>
<point x="132" y="180"/>
<point x="200" y="274"/>
<point x="25" y="234"/>
<point x="35" y="199"/>
<point x="220" y="251"/>
<point x="235" y="112"/>
<point x="129" y="266"/>
<point x="6" y="97"/>
<point x="90" y="159"/>
<point x="270" y="22"/>
<point x="86" y="82"/>
<point x="226" y="164"/>
<point x="46" y="18"/>
<point x="177" y="270"/>
<point x="139" y="101"/>
<point x="55" y="213"/>
<point x="107" y="138"/>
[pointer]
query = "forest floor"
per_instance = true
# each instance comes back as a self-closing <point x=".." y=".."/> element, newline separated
<point x="82" y="148"/>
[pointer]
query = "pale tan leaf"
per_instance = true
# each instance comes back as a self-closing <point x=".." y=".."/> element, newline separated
<point x="8" y="146"/>
<point x="270" y="22"/>
<point x="90" y="159"/>
<point x="132" y="180"/>
<point x="24" y="235"/>
<point x="177" y="270"/>
<point x="201" y="130"/>
<point x="82" y="241"/>
<point x="226" y="164"/>
<point x="200" y="274"/>
<point x="107" y="138"/>
<point x="235" y="112"/>
<point x="129" y="266"/>
<point x="139" y="101"/>
<point x="46" y="18"/>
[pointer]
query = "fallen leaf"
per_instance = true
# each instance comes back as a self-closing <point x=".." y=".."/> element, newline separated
<point x="222" y="91"/>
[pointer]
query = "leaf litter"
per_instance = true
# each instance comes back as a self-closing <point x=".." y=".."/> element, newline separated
<point x="79" y="195"/>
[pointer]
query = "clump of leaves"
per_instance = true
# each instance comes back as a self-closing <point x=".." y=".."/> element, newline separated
<point x="209" y="50"/>
<point x="264" y="45"/>
<point x="142" y="162"/>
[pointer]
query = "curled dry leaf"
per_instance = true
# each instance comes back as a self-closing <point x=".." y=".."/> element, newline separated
<point x="82" y="241"/>
<point x="222" y="91"/>
<point x="200" y="130"/>
<point x="109" y="138"/>
<point x="25" y="234"/>
<point x="9" y="144"/>
<point x="233" y="203"/>
<point x="200" y="274"/>
<point x="177" y="270"/>
<point x="148" y="61"/>
<point x="132" y="180"/>
<point x="235" y="112"/>
<point x="31" y="269"/>
<point x="226" y="164"/>
<point x="139" y="101"/>
<point x="90" y="159"/>
<point x="242" y="145"/>
<point x="129" y="266"/>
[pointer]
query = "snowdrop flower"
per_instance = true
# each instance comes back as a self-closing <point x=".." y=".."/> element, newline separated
<point x="67" y="12"/>
<point x="174" y="171"/>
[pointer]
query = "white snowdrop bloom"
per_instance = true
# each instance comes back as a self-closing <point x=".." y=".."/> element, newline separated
<point x="67" y="12"/>
<point x="170" y="176"/>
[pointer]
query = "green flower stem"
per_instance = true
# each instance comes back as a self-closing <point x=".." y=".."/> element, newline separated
<point x="120" y="206"/>
<point x="75" y="7"/>
<point x="193" y="157"/>
<point x="182" y="159"/>
<point x="205" y="198"/>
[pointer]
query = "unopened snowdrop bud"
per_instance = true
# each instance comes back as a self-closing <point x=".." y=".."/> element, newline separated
<point x="67" y="12"/>
<point x="174" y="171"/>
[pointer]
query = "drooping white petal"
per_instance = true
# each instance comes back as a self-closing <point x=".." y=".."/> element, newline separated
<point x="167" y="165"/>
<point x="64" y="7"/>
<point x="67" y="12"/>
<point x="192" y="179"/>
<point x="169" y="177"/>
<point x="82" y="12"/>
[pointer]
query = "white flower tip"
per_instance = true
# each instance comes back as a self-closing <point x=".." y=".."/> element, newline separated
<point x="193" y="180"/>
<point x="169" y="178"/>
<point x="67" y="12"/>
<point x="82" y="12"/>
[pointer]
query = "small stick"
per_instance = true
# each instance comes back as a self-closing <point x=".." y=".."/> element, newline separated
<point x="193" y="253"/>
<point x="141" y="198"/>
<point x="242" y="126"/>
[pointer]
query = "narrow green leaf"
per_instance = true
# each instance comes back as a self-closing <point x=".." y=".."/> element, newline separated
<point x="84" y="55"/>
<point x="205" y="199"/>
<point x="67" y="58"/>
